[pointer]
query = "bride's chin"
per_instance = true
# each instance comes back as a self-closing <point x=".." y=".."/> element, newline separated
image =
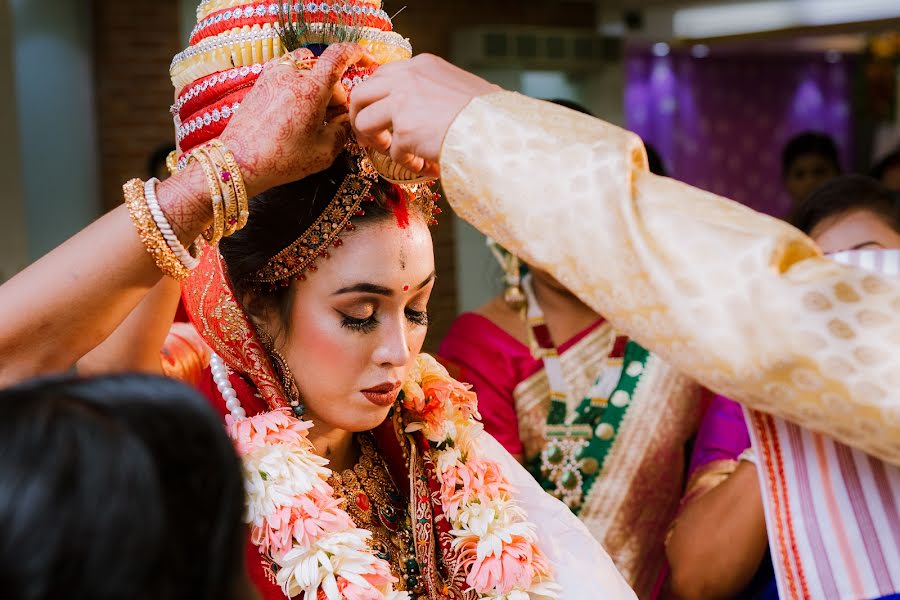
<point x="365" y="418"/>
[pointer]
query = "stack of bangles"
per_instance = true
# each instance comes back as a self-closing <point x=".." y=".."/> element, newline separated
<point x="230" y="207"/>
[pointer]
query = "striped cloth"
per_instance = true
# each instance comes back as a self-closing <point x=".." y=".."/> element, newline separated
<point x="832" y="512"/>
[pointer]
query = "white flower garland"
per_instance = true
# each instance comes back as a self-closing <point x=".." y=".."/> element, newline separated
<point x="315" y="546"/>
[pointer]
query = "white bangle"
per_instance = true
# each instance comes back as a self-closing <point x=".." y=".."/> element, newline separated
<point x="748" y="455"/>
<point x="189" y="261"/>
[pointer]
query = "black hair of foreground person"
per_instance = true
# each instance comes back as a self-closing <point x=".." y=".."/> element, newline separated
<point x="117" y="487"/>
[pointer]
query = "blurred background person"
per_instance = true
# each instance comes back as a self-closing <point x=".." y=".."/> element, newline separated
<point x="807" y="161"/>
<point x="718" y="546"/>
<point x="887" y="171"/>
<point x="550" y="374"/>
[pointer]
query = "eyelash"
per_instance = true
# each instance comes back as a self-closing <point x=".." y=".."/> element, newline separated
<point x="367" y="325"/>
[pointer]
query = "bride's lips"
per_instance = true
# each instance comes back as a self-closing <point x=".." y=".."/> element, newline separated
<point x="382" y="395"/>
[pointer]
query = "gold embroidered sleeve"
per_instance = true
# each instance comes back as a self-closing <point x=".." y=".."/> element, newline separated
<point x="742" y="302"/>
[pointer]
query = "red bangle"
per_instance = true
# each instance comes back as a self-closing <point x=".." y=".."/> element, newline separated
<point x="354" y="12"/>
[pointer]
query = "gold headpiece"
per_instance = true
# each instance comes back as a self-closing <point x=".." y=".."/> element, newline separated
<point x="292" y="262"/>
<point x="296" y="260"/>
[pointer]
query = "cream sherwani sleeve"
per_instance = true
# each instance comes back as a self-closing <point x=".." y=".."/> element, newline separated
<point x="742" y="302"/>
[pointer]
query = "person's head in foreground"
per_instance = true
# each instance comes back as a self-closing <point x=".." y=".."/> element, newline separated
<point x="105" y="489"/>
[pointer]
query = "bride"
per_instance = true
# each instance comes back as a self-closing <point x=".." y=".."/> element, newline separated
<point x="367" y="472"/>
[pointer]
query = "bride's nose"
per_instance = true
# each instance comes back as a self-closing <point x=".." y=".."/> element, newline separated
<point x="393" y="344"/>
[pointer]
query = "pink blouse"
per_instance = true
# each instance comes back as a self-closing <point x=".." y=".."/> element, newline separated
<point x="494" y="362"/>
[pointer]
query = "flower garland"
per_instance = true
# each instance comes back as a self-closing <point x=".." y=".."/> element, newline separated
<point x="316" y="549"/>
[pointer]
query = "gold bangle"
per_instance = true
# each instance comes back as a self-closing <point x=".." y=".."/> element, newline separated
<point x="237" y="180"/>
<point x="229" y="195"/>
<point x="215" y="232"/>
<point x="150" y="235"/>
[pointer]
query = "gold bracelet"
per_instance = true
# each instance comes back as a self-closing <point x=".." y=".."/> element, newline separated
<point x="236" y="179"/>
<point x="229" y="196"/>
<point x="149" y="232"/>
<point x="215" y="232"/>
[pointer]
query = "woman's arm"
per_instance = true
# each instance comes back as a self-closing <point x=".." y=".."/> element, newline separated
<point x="69" y="301"/>
<point x="719" y="540"/>
<point x="135" y="344"/>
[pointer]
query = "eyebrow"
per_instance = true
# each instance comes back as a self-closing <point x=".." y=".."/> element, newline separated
<point x="378" y="290"/>
<point x="864" y="244"/>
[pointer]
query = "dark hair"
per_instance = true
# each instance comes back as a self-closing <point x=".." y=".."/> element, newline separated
<point x="571" y="105"/>
<point x="657" y="167"/>
<point x="843" y="194"/>
<point x="889" y="161"/>
<point x="117" y="487"/>
<point x="279" y="216"/>
<point x="158" y="158"/>
<point x="809" y="142"/>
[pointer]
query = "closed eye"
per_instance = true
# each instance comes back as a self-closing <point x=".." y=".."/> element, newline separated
<point x="417" y="317"/>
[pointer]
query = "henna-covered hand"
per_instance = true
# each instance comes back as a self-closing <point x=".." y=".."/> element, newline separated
<point x="280" y="133"/>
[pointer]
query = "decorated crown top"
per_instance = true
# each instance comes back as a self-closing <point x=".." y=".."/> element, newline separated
<point x="233" y="39"/>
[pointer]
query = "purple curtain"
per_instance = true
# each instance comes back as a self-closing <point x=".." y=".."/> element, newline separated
<point x="720" y="123"/>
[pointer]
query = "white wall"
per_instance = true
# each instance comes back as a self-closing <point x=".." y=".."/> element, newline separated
<point x="13" y="241"/>
<point x="52" y="58"/>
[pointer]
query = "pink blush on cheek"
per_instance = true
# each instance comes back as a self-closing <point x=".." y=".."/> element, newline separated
<point x="322" y="355"/>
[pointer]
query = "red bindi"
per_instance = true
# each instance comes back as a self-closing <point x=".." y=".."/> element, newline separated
<point x="405" y="288"/>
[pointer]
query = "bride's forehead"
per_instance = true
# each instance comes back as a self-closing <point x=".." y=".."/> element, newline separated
<point x="384" y="246"/>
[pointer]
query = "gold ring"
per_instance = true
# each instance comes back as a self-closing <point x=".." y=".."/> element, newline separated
<point x="292" y="61"/>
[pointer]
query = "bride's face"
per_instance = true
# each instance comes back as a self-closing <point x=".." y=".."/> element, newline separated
<point x="357" y="324"/>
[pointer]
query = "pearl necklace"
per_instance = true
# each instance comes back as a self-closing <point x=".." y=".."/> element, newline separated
<point x="220" y="377"/>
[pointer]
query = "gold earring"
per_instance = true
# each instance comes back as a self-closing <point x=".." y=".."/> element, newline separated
<point x="512" y="272"/>
<point x="288" y="383"/>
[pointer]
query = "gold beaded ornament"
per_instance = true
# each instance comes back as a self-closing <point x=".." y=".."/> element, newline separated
<point x="149" y="232"/>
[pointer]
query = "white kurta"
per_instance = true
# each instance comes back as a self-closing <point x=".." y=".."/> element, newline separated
<point x="743" y="303"/>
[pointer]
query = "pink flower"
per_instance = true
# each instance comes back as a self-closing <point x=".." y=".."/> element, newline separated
<point x="378" y="581"/>
<point x="313" y="515"/>
<point x="277" y="426"/>
<point x="352" y="591"/>
<point x="476" y="479"/>
<point x="515" y="568"/>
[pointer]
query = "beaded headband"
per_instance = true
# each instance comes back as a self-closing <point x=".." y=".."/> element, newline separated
<point x="295" y="261"/>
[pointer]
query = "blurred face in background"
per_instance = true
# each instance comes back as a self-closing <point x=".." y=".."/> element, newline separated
<point x="855" y="230"/>
<point x="806" y="174"/>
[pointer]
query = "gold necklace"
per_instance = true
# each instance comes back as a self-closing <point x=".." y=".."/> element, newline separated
<point x="374" y="503"/>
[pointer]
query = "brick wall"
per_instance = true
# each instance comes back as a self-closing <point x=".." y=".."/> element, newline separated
<point x="135" y="42"/>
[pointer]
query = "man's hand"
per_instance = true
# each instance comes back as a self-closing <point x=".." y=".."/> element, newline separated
<point x="406" y="108"/>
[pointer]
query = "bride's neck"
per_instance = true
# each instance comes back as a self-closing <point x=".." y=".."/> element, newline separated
<point x="334" y="444"/>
